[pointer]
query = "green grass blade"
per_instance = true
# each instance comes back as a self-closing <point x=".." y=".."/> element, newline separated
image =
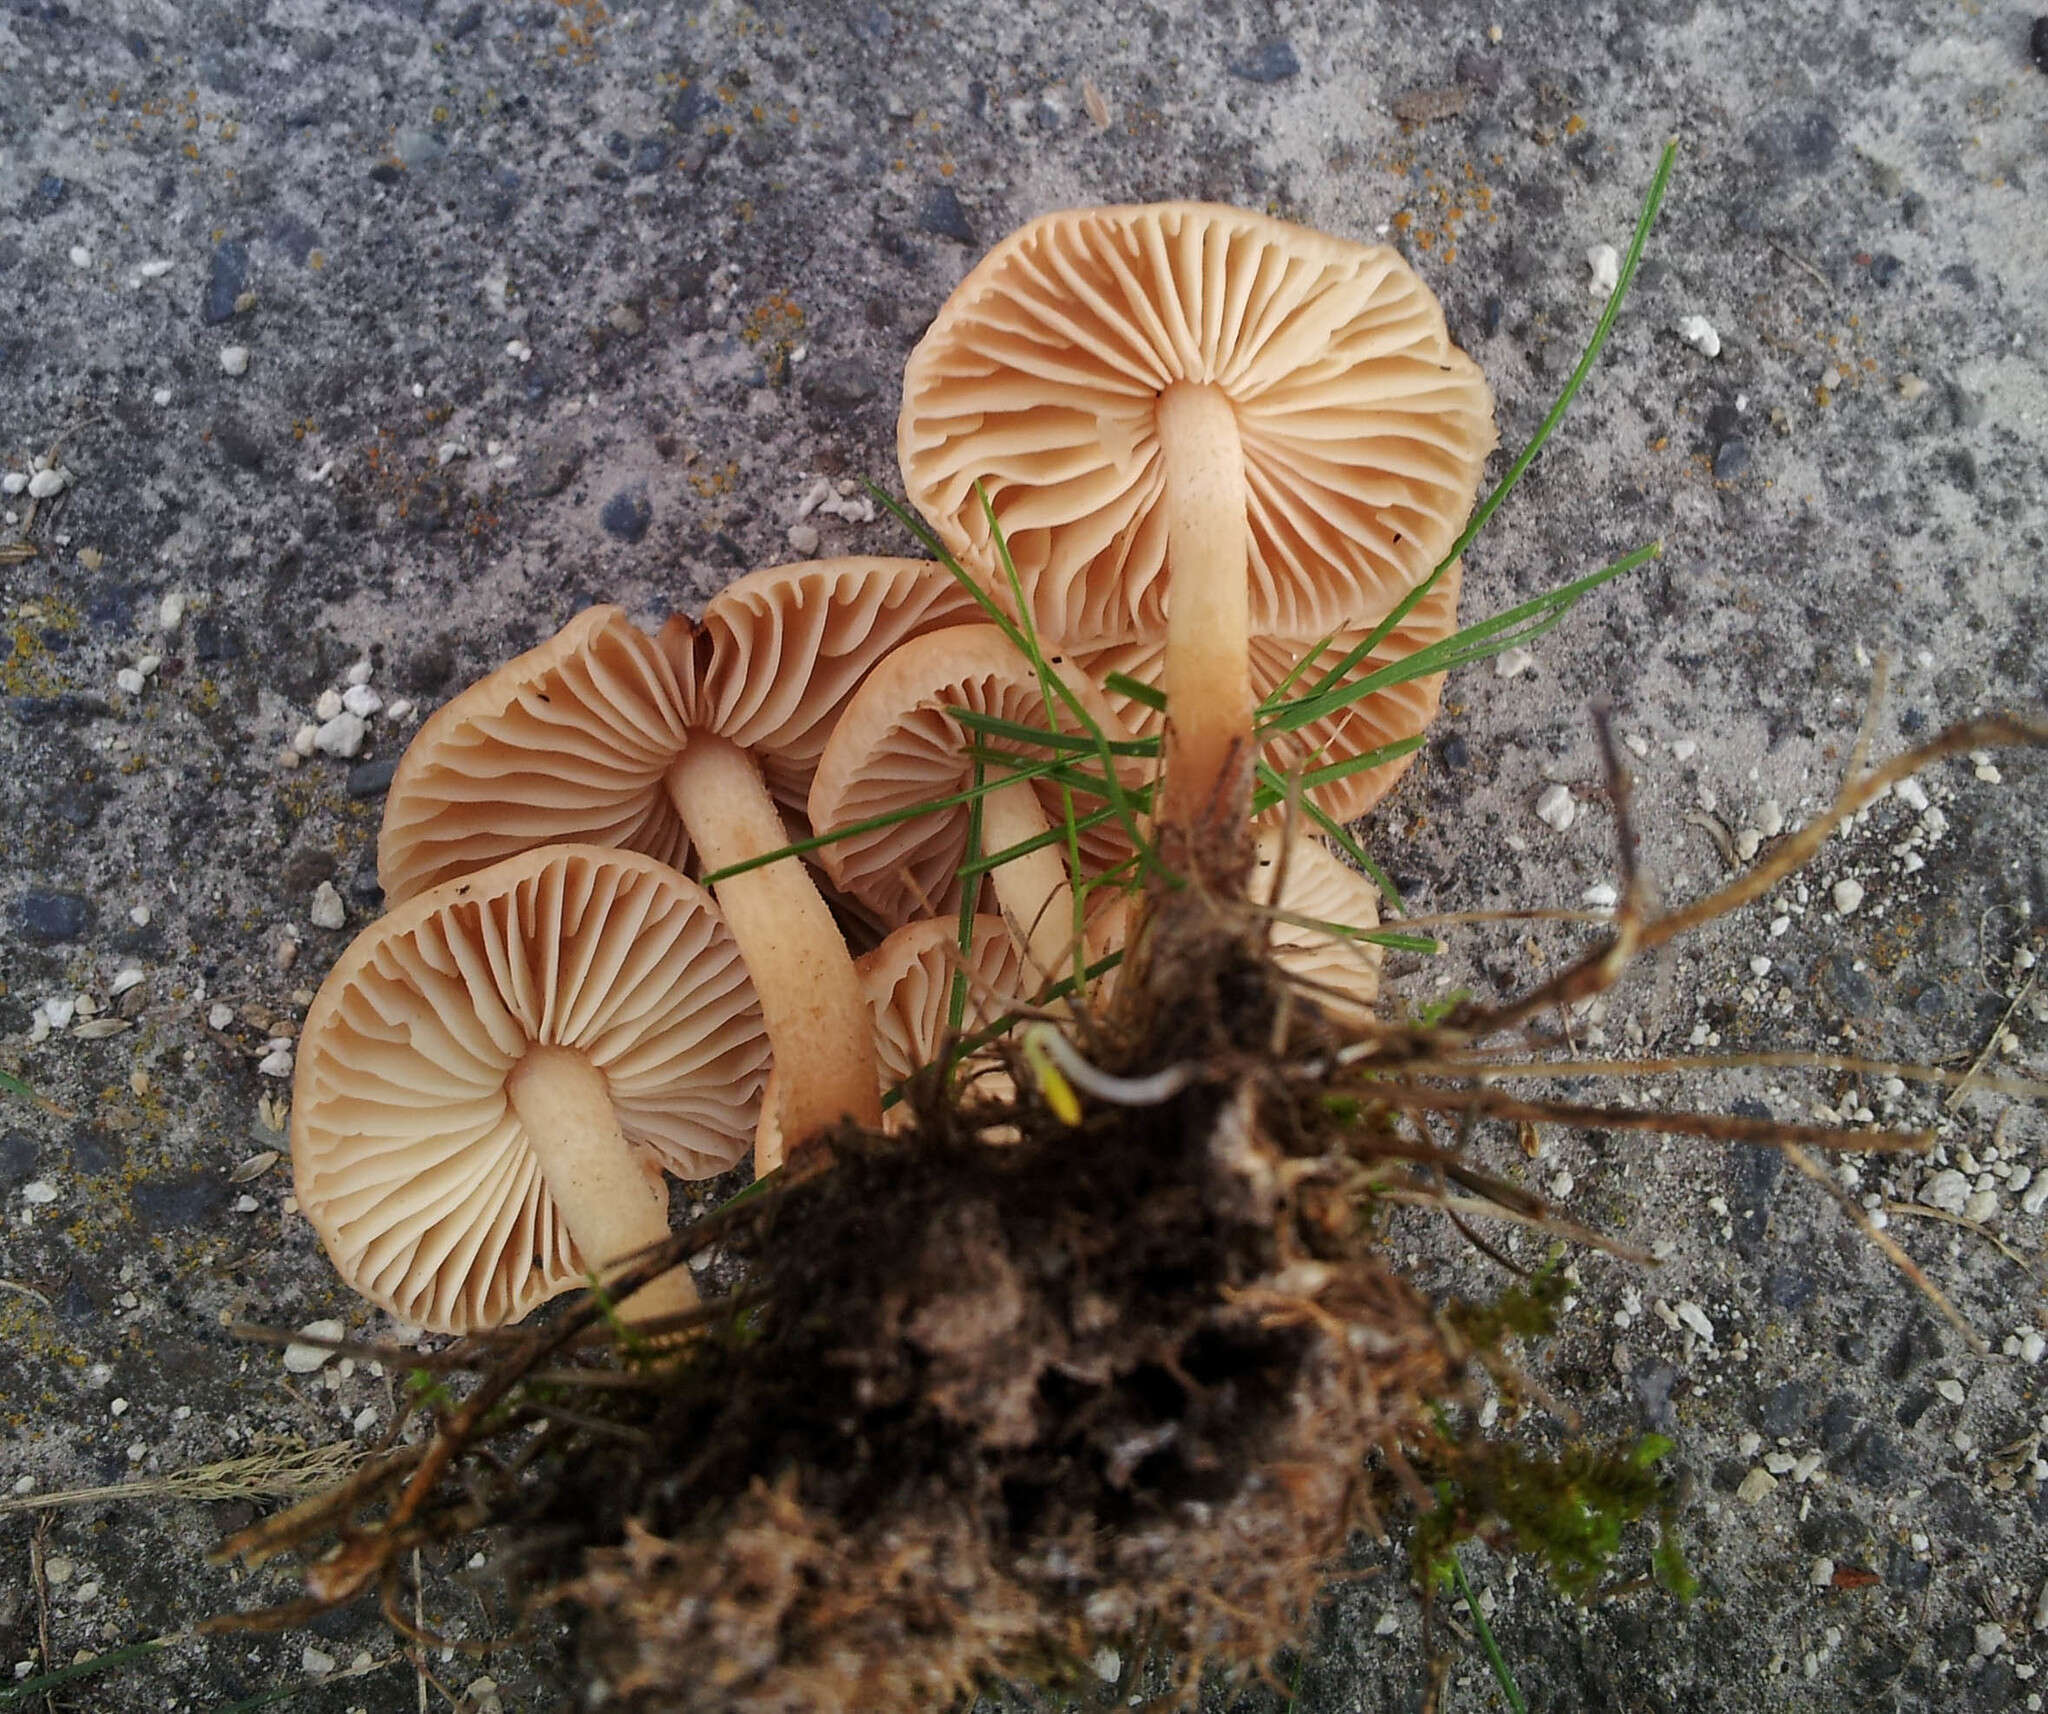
<point x="28" y="1689"/>
<point x="995" y="726"/>
<point x="956" y="999"/>
<point x="1475" y="642"/>
<point x="875" y="823"/>
<point x="1273" y="789"/>
<point x="15" y="1086"/>
<point x="1647" y="218"/>
<point x="1494" y="1658"/>
<point x="1137" y="690"/>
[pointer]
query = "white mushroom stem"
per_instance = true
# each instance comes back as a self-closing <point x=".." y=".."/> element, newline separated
<point x="1034" y="889"/>
<point x="1207" y="673"/>
<point x="611" y="1205"/>
<point x="819" y="1028"/>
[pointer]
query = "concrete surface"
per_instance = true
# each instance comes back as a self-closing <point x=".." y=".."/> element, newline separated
<point x="398" y="331"/>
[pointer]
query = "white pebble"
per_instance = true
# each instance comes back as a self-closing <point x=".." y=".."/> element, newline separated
<point x="60" y="1012"/>
<point x="1698" y="332"/>
<point x="81" y="257"/>
<point x="2032" y="1345"/>
<point x="129" y="680"/>
<point x="304" y="739"/>
<point x="342" y="736"/>
<point x="140" y="916"/>
<point x="1557" y="807"/>
<point x="1947" y="1190"/>
<point x="170" y="611"/>
<point x="804" y="538"/>
<point x="327" y="910"/>
<point x="154" y="269"/>
<point x="1605" y="261"/>
<point x="13" y="482"/>
<point x="400" y="708"/>
<point x="1821" y="1573"/>
<point x="1756" y="1485"/>
<point x="1388" y="1624"/>
<point x="39" y="1191"/>
<point x="1696" y="1318"/>
<point x="328" y="706"/>
<point x="47" y="484"/>
<point x="1512" y="663"/>
<point x="1759" y="966"/>
<point x="220" y="1015"/>
<point x="318" y="1663"/>
<point x="1637" y="743"/>
<point x="359" y="672"/>
<point x="361" y="699"/>
<point x="1912" y="794"/>
<point x="1951" y="1389"/>
<point x="304" y="1359"/>
<point x="1748" y="843"/>
<point x="130" y="976"/>
<point x="1601" y="893"/>
<point x="161" y="397"/>
<point x="1779" y="926"/>
<point x="276" y="1063"/>
<point x="1982" y="1206"/>
<point x="234" y="359"/>
<point x="1770" y="818"/>
<point x="1990" y="1639"/>
<point x="1684" y="749"/>
<point x="1848" y="896"/>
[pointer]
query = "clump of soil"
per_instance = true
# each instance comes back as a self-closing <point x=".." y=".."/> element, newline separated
<point x="1000" y="1401"/>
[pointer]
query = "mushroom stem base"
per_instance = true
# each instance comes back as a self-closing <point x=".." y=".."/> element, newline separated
<point x="819" y="1026"/>
<point x="1034" y="890"/>
<point x="611" y="1204"/>
<point x="1207" y="673"/>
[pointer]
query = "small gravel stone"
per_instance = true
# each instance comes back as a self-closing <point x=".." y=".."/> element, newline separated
<point x="1821" y="1573"/>
<point x="1990" y="1638"/>
<point x="1557" y="807"/>
<point x="803" y="538"/>
<point x="1947" y="1190"/>
<point x="1699" y="333"/>
<point x="360" y="699"/>
<point x="1982" y="1206"/>
<point x="1512" y="663"/>
<point x="1605" y="261"/>
<point x="304" y="1359"/>
<point x="1847" y="896"/>
<point x="1272" y="61"/>
<point x="1951" y="1389"/>
<point x="226" y="279"/>
<point x="234" y="360"/>
<point x="943" y="217"/>
<point x="327" y="910"/>
<point x="48" y="484"/>
<point x="342" y="736"/>
<point x="39" y="1191"/>
<point x="220" y="1015"/>
<point x="304" y="739"/>
<point x="372" y="779"/>
<point x="48" y="918"/>
<point x="626" y="515"/>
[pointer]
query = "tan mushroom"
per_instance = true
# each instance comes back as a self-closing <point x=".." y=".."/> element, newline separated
<point x="1339" y="972"/>
<point x="1270" y="423"/>
<point x="603" y="734"/>
<point x="493" y="1075"/>
<point x="897" y="746"/>
<point x="909" y="984"/>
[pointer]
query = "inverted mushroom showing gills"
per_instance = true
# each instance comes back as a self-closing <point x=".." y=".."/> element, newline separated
<point x="598" y="731"/>
<point x="897" y="746"/>
<point x="1200" y="423"/>
<point x="493" y="1075"/>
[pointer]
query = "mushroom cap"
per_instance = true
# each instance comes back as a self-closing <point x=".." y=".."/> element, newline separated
<point x="568" y="741"/>
<point x="909" y="984"/>
<point x="1364" y="428"/>
<point x="1385" y="717"/>
<point x="406" y="1152"/>
<point x="778" y="653"/>
<point x="1343" y="974"/>
<point x="897" y="746"/>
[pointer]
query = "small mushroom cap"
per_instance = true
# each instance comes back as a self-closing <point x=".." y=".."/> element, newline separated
<point x="1363" y="427"/>
<point x="1374" y="721"/>
<point x="1342" y="975"/>
<point x="780" y="652"/>
<point x="909" y="984"/>
<point x="407" y="1154"/>
<point x="896" y="746"/>
<point x="566" y="742"/>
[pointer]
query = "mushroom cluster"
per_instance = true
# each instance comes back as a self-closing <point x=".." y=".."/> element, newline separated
<point x="1204" y="446"/>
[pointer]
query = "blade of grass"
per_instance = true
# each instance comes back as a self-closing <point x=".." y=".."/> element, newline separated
<point x="956" y="1000"/>
<point x="1647" y="218"/>
<point x="1147" y="695"/>
<point x="995" y="726"/>
<point x="26" y="1689"/>
<point x="1274" y="790"/>
<point x="1476" y="642"/>
<point x="1494" y="1658"/>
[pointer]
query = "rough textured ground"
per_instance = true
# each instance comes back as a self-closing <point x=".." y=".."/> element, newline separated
<point x="543" y="304"/>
